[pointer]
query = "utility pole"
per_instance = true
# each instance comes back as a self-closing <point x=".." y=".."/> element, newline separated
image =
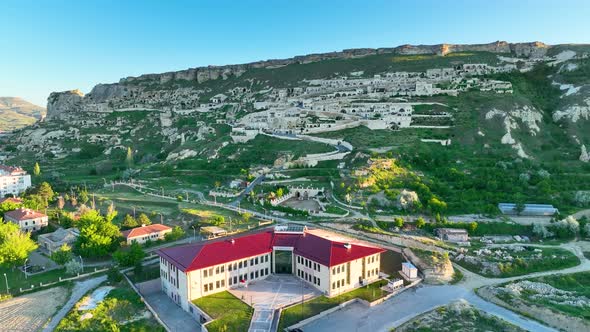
<point x="26" y="276"/>
<point x="6" y="279"/>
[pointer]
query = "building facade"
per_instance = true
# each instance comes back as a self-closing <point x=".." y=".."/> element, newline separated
<point x="52" y="242"/>
<point x="13" y="180"/>
<point x="330" y="263"/>
<point x="27" y="220"/>
<point x="143" y="234"/>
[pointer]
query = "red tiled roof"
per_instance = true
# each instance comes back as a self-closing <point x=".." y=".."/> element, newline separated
<point x="14" y="200"/>
<point x="199" y="255"/>
<point x="317" y="248"/>
<point x="144" y="230"/>
<point x="330" y="253"/>
<point x="23" y="214"/>
<point x="12" y="170"/>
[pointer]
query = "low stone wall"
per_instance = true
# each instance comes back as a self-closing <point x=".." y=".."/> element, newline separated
<point x="321" y="314"/>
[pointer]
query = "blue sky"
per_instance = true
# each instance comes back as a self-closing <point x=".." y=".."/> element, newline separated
<point x="59" y="45"/>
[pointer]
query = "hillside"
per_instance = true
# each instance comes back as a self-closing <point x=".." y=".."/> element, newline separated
<point x="16" y="113"/>
<point x="470" y="125"/>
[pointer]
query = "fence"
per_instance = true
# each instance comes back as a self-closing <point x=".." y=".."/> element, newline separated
<point x="79" y="276"/>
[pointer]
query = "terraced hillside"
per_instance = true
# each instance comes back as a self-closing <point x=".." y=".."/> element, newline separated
<point x="473" y="126"/>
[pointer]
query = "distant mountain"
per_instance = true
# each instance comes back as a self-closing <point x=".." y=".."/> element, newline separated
<point x="16" y="113"/>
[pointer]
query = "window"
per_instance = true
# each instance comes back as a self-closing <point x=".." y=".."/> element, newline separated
<point x="338" y="283"/>
<point x="229" y="267"/>
<point x="256" y="260"/>
<point x="222" y="283"/>
<point x="235" y="266"/>
<point x="266" y="271"/>
<point x="206" y="288"/>
<point x="256" y="274"/>
<point x="222" y="268"/>
<point x="333" y="270"/>
<point x="240" y="265"/>
<point x="210" y="286"/>
<point x="246" y="263"/>
<point x="235" y="280"/>
<point x="217" y="270"/>
<point x="205" y="273"/>
<point x="266" y="259"/>
<point x="251" y="275"/>
<point x="217" y="284"/>
<point x="211" y="271"/>
<point x="333" y="285"/>
<point x="229" y="281"/>
<point x="318" y="281"/>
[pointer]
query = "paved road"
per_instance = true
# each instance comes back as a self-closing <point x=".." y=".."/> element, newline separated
<point x="248" y="189"/>
<point x="80" y="289"/>
<point x="401" y="308"/>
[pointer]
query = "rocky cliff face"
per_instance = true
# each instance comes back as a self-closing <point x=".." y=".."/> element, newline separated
<point x="16" y="113"/>
<point x="131" y="92"/>
<point x="61" y="102"/>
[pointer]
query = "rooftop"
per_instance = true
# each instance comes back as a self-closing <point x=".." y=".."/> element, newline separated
<point x="144" y="230"/>
<point x="23" y="214"/>
<point x="319" y="246"/>
<point x="11" y="170"/>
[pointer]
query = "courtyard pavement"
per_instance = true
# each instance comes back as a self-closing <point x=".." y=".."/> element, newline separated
<point x="169" y="312"/>
<point x="274" y="292"/>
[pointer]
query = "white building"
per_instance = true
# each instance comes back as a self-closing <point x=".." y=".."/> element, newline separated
<point x="329" y="262"/>
<point x="27" y="220"/>
<point x="409" y="271"/>
<point x="13" y="180"/>
<point x="143" y="234"/>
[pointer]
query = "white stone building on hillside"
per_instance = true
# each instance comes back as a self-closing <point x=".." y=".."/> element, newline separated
<point x="13" y="180"/>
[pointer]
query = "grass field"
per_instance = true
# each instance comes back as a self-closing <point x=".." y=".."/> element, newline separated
<point x="16" y="278"/>
<point x="299" y="312"/>
<point x="229" y="312"/>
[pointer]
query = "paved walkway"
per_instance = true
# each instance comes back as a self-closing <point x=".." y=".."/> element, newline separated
<point x="169" y="312"/>
<point x="80" y="289"/>
<point x="401" y="308"/>
<point x="276" y="291"/>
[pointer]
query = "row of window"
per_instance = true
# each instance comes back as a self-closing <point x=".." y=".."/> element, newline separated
<point x="308" y="277"/>
<point x="308" y="263"/>
<point x="372" y="259"/>
<point x="338" y="284"/>
<point x="372" y="272"/>
<point x="338" y="269"/>
<point x="244" y="263"/>
<point x="218" y="284"/>
<point x="213" y="271"/>
<point x="244" y="277"/>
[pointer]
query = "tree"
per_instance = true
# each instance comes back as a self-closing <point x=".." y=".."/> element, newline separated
<point x="63" y="255"/>
<point x="129" y="157"/>
<point x="472" y="227"/>
<point x="436" y="205"/>
<point x="34" y="202"/>
<point x="83" y="196"/>
<point x="36" y="170"/>
<point x="246" y="216"/>
<point x="44" y="190"/>
<point x="61" y="202"/>
<point x="15" y="245"/>
<point x="131" y="256"/>
<point x="398" y="222"/>
<point x="518" y="208"/>
<point x="8" y="205"/>
<point x="280" y="192"/>
<point x="420" y="222"/>
<point x="129" y="222"/>
<point x="143" y="220"/>
<point x="73" y="267"/>
<point x="98" y="237"/>
<point x="111" y="213"/>
<point x="176" y="234"/>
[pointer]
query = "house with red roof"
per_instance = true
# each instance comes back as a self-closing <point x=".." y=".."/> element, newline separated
<point x="146" y="233"/>
<point x="27" y="220"/>
<point x="329" y="262"/>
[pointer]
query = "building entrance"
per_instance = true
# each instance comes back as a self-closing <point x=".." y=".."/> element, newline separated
<point x="283" y="261"/>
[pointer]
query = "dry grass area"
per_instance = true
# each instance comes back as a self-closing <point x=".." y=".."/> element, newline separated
<point x="30" y="312"/>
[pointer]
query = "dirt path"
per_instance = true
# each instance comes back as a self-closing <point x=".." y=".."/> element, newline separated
<point x="30" y="312"/>
<point x="80" y="289"/>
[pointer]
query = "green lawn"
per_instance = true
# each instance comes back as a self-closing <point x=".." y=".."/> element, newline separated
<point x="299" y="312"/>
<point x="16" y="278"/>
<point x="229" y="312"/>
